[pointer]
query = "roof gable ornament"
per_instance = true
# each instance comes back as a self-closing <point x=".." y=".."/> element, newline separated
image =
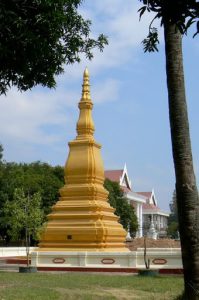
<point x="124" y="179"/>
<point x="153" y="198"/>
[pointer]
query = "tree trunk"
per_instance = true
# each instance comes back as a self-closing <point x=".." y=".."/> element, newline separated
<point x="186" y="189"/>
<point x="27" y="245"/>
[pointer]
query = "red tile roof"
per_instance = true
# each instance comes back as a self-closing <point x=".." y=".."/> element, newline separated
<point x="150" y="206"/>
<point x="125" y="189"/>
<point x="113" y="175"/>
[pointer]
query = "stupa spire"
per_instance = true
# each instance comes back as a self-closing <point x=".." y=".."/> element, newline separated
<point x="85" y="125"/>
<point x="86" y="86"/>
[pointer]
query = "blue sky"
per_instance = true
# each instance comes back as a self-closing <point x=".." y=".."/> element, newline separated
<point x="128" y="89"/>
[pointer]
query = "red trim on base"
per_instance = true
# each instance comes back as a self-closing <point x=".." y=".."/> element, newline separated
<point x="21" y="261"/>
<point x="86" y="269"/>
<point x="104" y="270"/>
<point x="171" y="271"/>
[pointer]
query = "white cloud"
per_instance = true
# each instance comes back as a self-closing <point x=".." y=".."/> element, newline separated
<point x="23" y="116"/>
<point x="42" y="116"/>
<point x="119" y="21"/>
<point x="124" y="32"/>
<point x="30" y="116"/>
<point x="106" y="91"/>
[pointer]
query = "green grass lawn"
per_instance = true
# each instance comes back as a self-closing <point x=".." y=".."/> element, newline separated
<point x="66" y="286"/>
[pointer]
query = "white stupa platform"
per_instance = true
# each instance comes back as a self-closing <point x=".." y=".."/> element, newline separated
<point x="93" y="261"/>
<point x="167" y="260"/>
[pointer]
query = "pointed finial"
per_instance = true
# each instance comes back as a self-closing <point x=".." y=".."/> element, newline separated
<point x="85" y="125"/>
<point x="86" y="87"/>
<point x="86" y="73"/>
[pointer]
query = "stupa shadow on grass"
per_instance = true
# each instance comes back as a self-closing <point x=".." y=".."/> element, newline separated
<point x="29" y="269"/>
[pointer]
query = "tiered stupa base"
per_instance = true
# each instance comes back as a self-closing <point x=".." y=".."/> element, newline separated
<point x="82" y="225"/>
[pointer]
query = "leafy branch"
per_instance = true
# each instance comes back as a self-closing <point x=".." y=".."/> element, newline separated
<point x="182" y="13"/>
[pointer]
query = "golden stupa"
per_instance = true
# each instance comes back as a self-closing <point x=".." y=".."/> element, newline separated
<point x="82" y="219"/>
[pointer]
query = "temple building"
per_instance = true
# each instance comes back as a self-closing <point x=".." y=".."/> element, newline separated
<point x="152" y="213"/>
<point x="144" y="203"/>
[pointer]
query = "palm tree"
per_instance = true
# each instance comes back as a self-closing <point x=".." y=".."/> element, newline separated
<point x="176" y="17"/>
<point x="186" y="188"/>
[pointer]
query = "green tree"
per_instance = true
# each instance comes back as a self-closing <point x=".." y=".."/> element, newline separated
<point x="124" y="210"/>
<point x="173" y="208"/>
<point x="1" y="152"/>
<point x="44" y="178"/>
<point x="173" y="227"/>
<point x="38" y="38"/>
<point x="172" y="230"/>
<point x="176" y="17"/>
<point x="33" y="178"/>
<point x="24" y="217"/>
